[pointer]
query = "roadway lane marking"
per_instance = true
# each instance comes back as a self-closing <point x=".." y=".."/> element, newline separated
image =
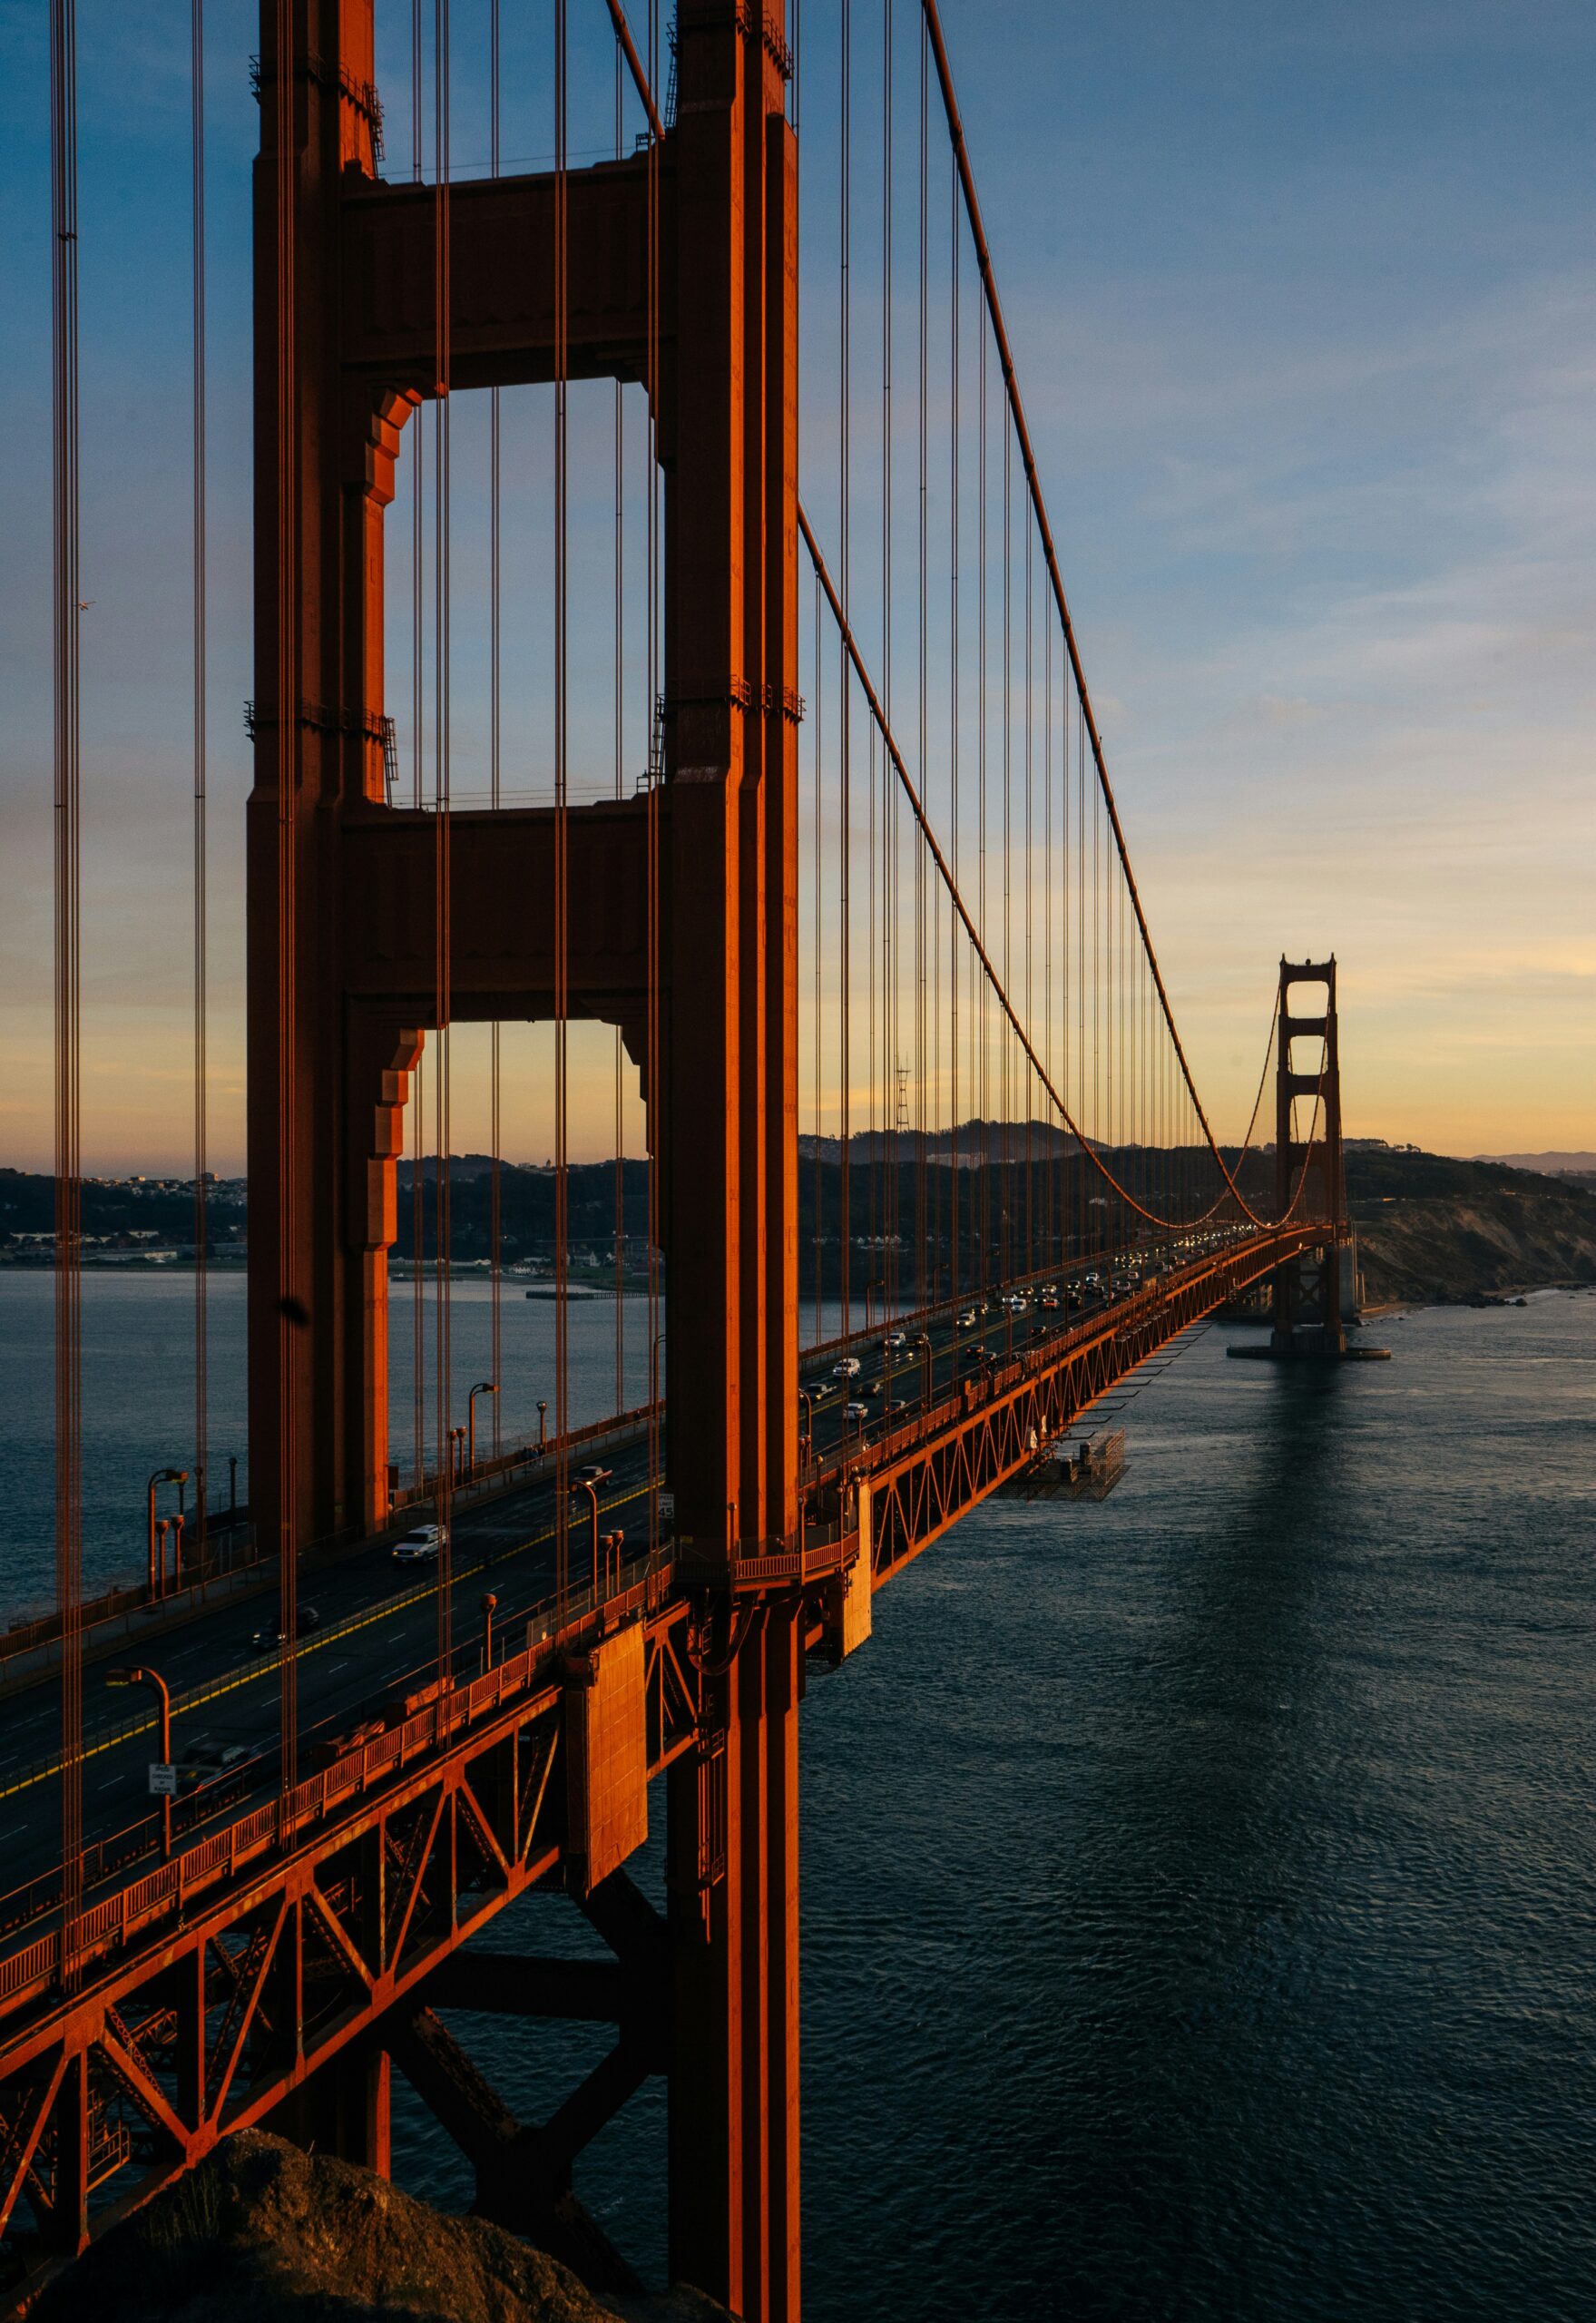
<point x="250" y="1673"/>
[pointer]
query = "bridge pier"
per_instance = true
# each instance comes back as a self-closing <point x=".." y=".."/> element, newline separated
<point x="1306" y="1316"/>
<point x="343" y="2108"/>
<point x="734" y="1895"/>
<point x="522" y="2173"/>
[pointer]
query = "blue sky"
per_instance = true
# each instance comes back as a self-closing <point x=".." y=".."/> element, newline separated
<point x="1305" y="308"/>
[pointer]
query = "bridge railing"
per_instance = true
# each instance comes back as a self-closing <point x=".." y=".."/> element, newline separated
<point x="641" y="1585"/>
<point x="641" y="1581"/>
<point x="229" y="1542"/>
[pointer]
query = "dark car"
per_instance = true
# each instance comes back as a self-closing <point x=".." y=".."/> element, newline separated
<point x="268" y="1640"/>
<point x="204" y="1761"/>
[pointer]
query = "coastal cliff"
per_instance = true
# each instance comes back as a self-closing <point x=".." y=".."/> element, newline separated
<point x="1435" y="1232"/>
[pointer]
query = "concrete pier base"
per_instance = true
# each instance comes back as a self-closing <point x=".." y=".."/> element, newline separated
<point x="1306" y="1349"/>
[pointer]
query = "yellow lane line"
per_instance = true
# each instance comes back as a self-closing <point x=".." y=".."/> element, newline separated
<point x="253" y="1673"/>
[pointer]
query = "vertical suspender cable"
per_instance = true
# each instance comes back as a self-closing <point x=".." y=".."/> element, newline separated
<point x="67" y="835"/>
<point x="418" y="759"/>
<point x="201" y="1217"/>
<point x="819" y="727"/>
<point x="925" y="1279"/>
<point x="495" y="1123"/>
<point x="953" y="953"/>
<point x="979" y="1059"/>
<point x="1029" y="1185"/>
<point x="1049" y="1171"/>
<point x="619" y="756"/>
<point x="287" y="890"/>
<point x="562" y="900"/>
<point x="1005" y="1089"/>
<point x="288" y="785"/>
<point x="966" y="180"/>
<point x="889" y="1044"/>
<point x="442" y="1092"/>
<point x="653" y="728"/>
<point x="845" y="835"/>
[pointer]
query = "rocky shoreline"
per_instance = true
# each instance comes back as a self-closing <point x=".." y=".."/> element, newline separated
<point x="1438" y="1232"/>
<point x="261" y="2232"/>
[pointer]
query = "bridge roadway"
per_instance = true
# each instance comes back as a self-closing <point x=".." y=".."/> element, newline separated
<point x="378" y="1634"/>
<point x="188" y="1999"/>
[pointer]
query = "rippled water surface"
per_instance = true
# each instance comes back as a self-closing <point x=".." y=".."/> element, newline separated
<point x="1201" y="1903"/>
<point x="1199" y="1889"/>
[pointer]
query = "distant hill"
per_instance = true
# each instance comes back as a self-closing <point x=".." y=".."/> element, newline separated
<point x="1431" y="1227"/>
<point x="1434" y="1229"/>
<point x="1548" y="1164"/>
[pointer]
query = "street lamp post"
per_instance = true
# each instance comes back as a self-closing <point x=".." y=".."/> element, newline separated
<point x="159" y="1477"/>
<point x="806" y="1440"/>
<point x="482" y="1387"/>
<point x="587" y="1485"/>
<point x="542" y="1424"/>
<point x="153" y="1677"/>
<point x="489" y="1607"/>
<point x="177" y="1554"/>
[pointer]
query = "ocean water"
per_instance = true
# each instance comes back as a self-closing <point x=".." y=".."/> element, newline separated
<point x="1199" y="1888"/>
<point x="137" y="1397"/>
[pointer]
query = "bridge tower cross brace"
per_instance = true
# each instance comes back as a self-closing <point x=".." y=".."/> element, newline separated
<point x="689" y="900"/>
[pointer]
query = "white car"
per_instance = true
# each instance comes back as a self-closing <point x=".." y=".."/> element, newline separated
<point x="848" y="1368"/>
<point x="855" y="1411"/>
<point x="895" y="1340"/>
<point x="420" y="1545"/>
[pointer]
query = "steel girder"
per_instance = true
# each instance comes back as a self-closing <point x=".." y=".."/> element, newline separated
<point x="994" y="1428"/>
<point x="198" y="2012"/>
<point x="195" y="1999"/>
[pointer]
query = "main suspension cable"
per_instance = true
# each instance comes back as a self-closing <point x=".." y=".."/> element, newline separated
<point x="1033" y="486"/>
<point x="961" y="908"/>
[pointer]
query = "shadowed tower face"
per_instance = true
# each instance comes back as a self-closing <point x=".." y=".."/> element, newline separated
<point x="672" y="915"/>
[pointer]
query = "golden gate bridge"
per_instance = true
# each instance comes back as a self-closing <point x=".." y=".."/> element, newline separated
<point x="820" y="832"/>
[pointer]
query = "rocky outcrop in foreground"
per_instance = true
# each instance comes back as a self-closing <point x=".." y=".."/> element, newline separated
<point x="261" y="2232"/>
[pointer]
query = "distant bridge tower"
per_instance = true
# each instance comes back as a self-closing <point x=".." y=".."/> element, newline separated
<point x="1312" y="1292"/>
